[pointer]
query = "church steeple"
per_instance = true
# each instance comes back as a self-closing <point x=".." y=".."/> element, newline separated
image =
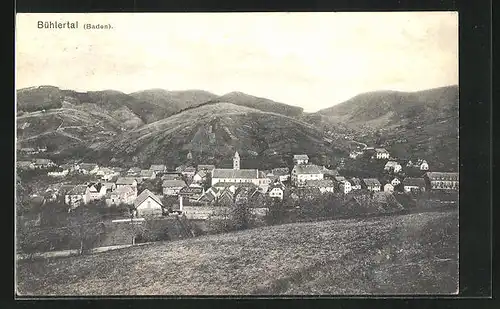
<point x="236" y="161"/>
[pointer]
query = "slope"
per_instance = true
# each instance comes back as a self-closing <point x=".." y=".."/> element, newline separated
<point x="407" y="254"/>
<point x="173" y="101"/>
<point x="263" y="104"/>
<point x="413" y="124"/>
<point x="213" y="132"/>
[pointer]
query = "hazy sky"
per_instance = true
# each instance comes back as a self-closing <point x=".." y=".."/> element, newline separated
<point x="312" y="60"/>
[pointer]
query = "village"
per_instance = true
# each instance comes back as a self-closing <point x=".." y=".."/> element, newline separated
<point x="199" y="193"/>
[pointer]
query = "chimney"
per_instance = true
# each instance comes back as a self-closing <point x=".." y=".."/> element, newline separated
<point x="180" y="202"/>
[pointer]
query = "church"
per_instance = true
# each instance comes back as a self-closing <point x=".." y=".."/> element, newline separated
<point x="237" y="175"/>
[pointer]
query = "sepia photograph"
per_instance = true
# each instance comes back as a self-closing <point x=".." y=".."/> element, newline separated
<point x="243" y="154"/>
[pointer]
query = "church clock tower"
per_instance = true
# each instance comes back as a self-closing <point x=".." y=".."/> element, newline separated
<point x="236" y="161"/>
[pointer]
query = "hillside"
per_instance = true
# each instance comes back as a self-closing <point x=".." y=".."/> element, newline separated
<point x="262" y="104"/>
<point x="173" y="101"/>
<point x="212" y="133"/>
<point x="408" y="254"/>
<point x="410" y="124"/>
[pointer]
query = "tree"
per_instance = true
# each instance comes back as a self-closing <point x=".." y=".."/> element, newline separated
<point x="276" y="213"/>
<point x="85" y="227"/>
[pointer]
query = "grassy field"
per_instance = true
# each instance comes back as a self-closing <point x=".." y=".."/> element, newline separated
<point x="415" y="253"/>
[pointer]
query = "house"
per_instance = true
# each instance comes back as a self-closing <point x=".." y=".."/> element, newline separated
<point x="79" y="195"/>
<point x="172" y="187"/>
<point x="423" y="165"/>
<point x="134" y="172"/>
<point x="281" y="173"/>
<point x="88" y="168"/>
<point x="339" y="179"/>
<point x="323" y="185"/>
<point x="107" y="173"/>
<point x="371" y="184"/>
<point x="345" y="186"/>
<point x="330" y="173"/>
<point x="395" y="182"/>
<point x="303" y="172"/>
<point x="158" y="168"/>
<point x="126" y="181"/>
<point x="411" y="184"/>
<point x="355" y="183"/>
<point x="148" y="204"/>
<point x="191" y="193"/>
<point x="442" y="180"/>
<point x="171" y="176"/>
<point x="189" y="171"/>
<point x="226" y="197"/>
<point x="122" y="195"/>
<point x="393" y="166"/>
<point x="207" y="168"/>
<point x="235" y="176"/>
<point x="388" y="187"/>
<point x="97" y="191"/>
<point x="300" y="159"/>
<point x="242" y="194"/>
<point x="210" y="196"/>
<point x="110" y="186"/>
<point x="179" y="169"/>
<point x="276" y="190"/>
<point x="381" y="153"/>
<point x="200" y="176"/>
<point x="25" y="165"/>
<point x="59" y="173"/>
<point x="43" y="163"/>
<point x="147" y="174"/>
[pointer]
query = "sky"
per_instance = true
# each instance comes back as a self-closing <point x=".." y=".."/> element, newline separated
<point x="311" y="60"/>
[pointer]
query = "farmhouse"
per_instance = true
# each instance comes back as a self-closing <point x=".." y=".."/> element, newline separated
<point x="59" y="173"/>
<point x="147" y="174"/>
<point x="172" y="187"/>
<point x="126" y="181"/>
<point x="148" y="204"/>
<point x="345" y="187"/>
<point x="191" y="193"/>
<point x="281" y="173"/>
<point x="159" y="168"/>
<point x="423" y="165"/>
<point x="324" y="185"/>
<point x="300" y="159"/>
<point x="442" y="180"/>
<point x="395" y="181"/>
<point x="303" y="172"/>
<point x="276" y="190"/>
<point x="88" y="168"/>
<point x="210" y="196"/>
<point x="206" y="168"/>
<point x="413" y="184"/>
<point x="371" y="184"/>
<point x="355" y="183"/>
<point x="134" y="172"/>
<point x="171" y="176"/>
<point x="77" y="196"/>
<point x="393" y="166"/>
<point x="388" y="187"/>
<point x="43" y="163"/>
<point x="124" y="194"/>
<point x="96" y="191"/>
<point x="381" y="153"/>
<point x="200" y="176"/>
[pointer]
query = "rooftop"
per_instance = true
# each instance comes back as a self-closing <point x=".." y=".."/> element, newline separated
<point x="235" y="174"/>
<point x="371" y="182"/>
<point x="307" y="169"/>
<point x="144" y="195"/>
<point x="416" y="182"/>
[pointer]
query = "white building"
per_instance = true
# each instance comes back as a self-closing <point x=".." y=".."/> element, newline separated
<point x="324" y="185"/>
<point x="393" y="166"/>
<point x="395" y="182"/>
<point x="300" y="159"/>
<point x="79" y="195"/>
<point x="303" y="172"/>
<point x="276" y="190"/>
<point x="345" y="186"/>
<point x="238" y="175"/>
<point x="388" y="188"/>
<point x="148" y="204"/>
<point x="381" y="153"/>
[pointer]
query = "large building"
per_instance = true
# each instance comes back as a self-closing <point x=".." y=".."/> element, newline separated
<point x="238" y="175"/>
<point x="442" y="180"/>
<point x="302" y="173"/>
